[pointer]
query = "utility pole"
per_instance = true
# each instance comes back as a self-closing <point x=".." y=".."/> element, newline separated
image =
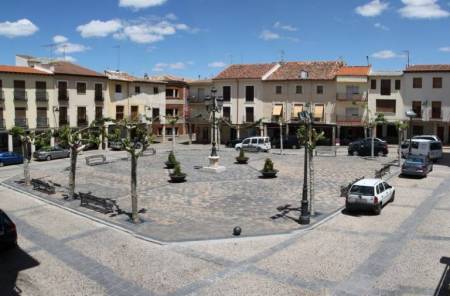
<point x="407" y="57"/>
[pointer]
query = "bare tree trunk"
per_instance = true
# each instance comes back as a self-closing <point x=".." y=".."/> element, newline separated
<point x="134" y="197"/>
<point x="26" y="164"/>
<point x="173" y="138"/>
<point x="73" y="168"/>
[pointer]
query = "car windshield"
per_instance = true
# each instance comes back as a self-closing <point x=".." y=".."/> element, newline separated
<point x="361" y="190"/>
<point x="414" y="160"/>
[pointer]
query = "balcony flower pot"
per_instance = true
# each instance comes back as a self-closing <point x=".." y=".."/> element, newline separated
<point x="177" y="176"/>
<point x="268" y="171"/>
<point x="241" y="159"/>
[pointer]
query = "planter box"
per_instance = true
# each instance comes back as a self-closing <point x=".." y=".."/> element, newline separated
<point x="242" y="160"/>
<point x="177" y="178"/>
<point x="170" y="165"/>
<point x="269" y="175"/>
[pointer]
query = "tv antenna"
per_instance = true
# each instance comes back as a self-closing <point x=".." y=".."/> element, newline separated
<point x="282" y="56"/>
<point x="52" y="47"/>
<point x="118" y="56"/>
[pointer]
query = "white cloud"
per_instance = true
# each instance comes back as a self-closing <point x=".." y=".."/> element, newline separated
<point x="171" y="16"/>
<point x="161" y="67"/>
<point x="20" y="28"/>
<point x="422" y="9"/>
<point x="279" y="25"/>
<point x="269" y="35"/>
<point x="140" y="4"/>
<point x="381" y="26"/>
<point x="59" y="39"/>
<point x="97" y="28"/>
<point x="386" y="54"/>
<point x="68" y="59"/>
<point x="373" y="8"/>
<point x="445" y="49"/>
<point x="217" y="65"/>
<point x="68" y="47"/>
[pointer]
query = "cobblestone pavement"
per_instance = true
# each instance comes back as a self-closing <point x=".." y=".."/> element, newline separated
<point x="208" y="205"/>
<point x="403" y="251"/>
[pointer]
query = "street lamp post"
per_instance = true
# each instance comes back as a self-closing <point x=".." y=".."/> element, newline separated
<point x="214" y="104"/>
<point x="281" y="135"/>
<point x="411" y="114"/>
<point x="305" y="116"/>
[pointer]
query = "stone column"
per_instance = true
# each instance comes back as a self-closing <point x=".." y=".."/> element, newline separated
<point x="338" y="135"/>
<point x="265" y="130"/>
<point x="261" y="130"/>
<point x="164" y="133"/>
<point x="52" y="139"/>
<point x="287" y="129"/>
<point x="10" y="143"/>
<point x="333" y="136"/>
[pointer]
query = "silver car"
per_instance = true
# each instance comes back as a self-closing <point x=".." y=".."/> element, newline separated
<point x="50" y="153"/>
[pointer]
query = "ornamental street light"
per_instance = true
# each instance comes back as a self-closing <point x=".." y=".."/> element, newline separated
<point x="213" y="104"/>
<point x="411" y="114"/>
<point x="305" y="116"/>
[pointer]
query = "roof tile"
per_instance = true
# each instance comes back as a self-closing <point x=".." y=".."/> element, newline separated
<point x="354" y="71"/>
<point x="21" y="70"/>
<point x="429" y="68"/>
<point x="315" y="70"/>
<point x="245" y="71"/>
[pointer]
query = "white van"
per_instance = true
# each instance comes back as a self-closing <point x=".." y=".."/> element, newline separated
<point x="432" y="149"/>
<point x="254" y="144"/>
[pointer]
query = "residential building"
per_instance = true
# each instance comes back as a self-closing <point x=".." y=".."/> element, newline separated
<point x="427" y="92"/>
<point x="198" y="119"/>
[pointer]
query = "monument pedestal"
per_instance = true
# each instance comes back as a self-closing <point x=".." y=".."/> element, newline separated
<point x="214" y="165"/>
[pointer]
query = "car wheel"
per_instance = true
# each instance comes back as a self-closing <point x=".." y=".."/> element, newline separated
<point x="379" y="153"/>
<point x="294" y="146"/>
<point x="355" y="153"/>
<point x="348" y="208"/>
<point x="238" y="149"/>
<point x="48" y="158"/>
<point x="377" y="209"/>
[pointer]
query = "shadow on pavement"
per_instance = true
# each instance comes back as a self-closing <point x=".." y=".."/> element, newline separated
<point x="357" y="213"/>
<point x="443" y="288"/>
<point x="12" y="262"/>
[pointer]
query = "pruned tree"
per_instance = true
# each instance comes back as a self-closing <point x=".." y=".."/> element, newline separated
<point x="137" y="141"/>
<point x="101" y="124"/>
<point x="401" y="126"/>
<point x="26" y="141"/>
<point x="311" y="140"/>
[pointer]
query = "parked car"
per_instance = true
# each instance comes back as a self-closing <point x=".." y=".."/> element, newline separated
<point x="364" y="147"/>
<point x="8" y="232"/>
<point x="254" y="144"/>
<point x="290" y="142"/>
<point x="431" y="149"/>
<point x="233" y="143"/>
<point x="427" y="137"/>
<point x="115" y="145"/>
<point x="417" y="165"/>
<point x="370" y="194"/>
<point x="7" y="158"/>
<point x="49" y="153"/>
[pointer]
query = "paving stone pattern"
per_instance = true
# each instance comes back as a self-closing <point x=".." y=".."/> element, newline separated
<point x="208" y="205"/>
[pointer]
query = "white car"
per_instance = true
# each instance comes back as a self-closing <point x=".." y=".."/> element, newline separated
<point x="370" y="194"/>
<point x="254" y="144"/>
<point x="428" y="148"/>
<point x="427" y="137"/>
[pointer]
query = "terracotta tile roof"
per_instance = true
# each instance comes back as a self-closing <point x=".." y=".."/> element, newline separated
<point x="315" y="70"/>
<point x="123" y="76"/>
<point x="245" y="71"/>
<point x="21" y="70"/>
<point x="429" y="68"/>
<point x="354" y="71"/>
<point x="66" y="68"/>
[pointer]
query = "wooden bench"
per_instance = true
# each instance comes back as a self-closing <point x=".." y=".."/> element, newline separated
<point x="346" y="188"/>
<point x="42" y="186"/>
<point x="325" y="151"/>
<point x="95" y="160"/>
<point x="383" y="171"/>
<point x="102" y="205"/>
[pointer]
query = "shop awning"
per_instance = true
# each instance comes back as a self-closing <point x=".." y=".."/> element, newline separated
<point x="297" y="109"/>
<point x="277" y="109"/>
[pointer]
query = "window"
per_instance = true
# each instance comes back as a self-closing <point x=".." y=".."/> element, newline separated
<point x="249" y="116"/>
<point x="171" y="93"/>
<point x="249" y="93"/>
<point x="437" y="82"/>
<point x="19" y="90"/>
<point x="417" y="82"/>
<point x="62" y="90"/>
<point x="81" y="116"/>
<point x="119" y="112"/>
<point x="318" y="112"/>
<point x="98" y="112"/>
<point x="398" y="84"/>
<point x="98" y="92"/>
<point x="137" y="89"/>
<point x="155" y="114"/>
<point x="319" y="89"/>
<point x="417" y="108"/>
<point x="352" y="112"/>
<point x="226" y="93"/>
<point x="63" y="120"/>
<point x="373" y="84"/>
<point x="200" y="93"/>
<point x="227" y="113"/>
<point x="118" y="88"/>
<point x="436" y="109"/>
<point x="81" y="88"/>
<point x="352" y="90"/>
<point x="134" y="112"/>
<point x="296" y="110"/>
<point x="298" y="89"/>
<point x="278" y="89"/>
<point x="385" y="87"/>
<point x="41" y="85"/>
<point x="156" y="90"/>
<point x="172" y="112"/>
<point x="386" y="106"/>
<point x="41" y="92"/>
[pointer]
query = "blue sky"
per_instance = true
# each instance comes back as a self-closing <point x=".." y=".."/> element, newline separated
<point x="200" y="37"/>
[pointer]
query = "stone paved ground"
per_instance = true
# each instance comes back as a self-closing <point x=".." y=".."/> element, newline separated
<point x="208" y="205"/>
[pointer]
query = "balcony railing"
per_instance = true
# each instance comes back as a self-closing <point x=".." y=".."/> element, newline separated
<point x="82" y="122"/>
<point x="63" y="95"/>
<point x="42" y="122"/>
<point x="21" y="122"/>
<point x="351" y="97"/>
<point x="99" y="97"/>
<point x="20" y="94"/>
<point x="64" y="121"/>
<point x="2" y="123"/>
<point x="41" y="95"/>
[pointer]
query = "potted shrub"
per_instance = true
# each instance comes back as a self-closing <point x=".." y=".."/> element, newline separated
<point x="177" y="176"/>
<point x="241" y="159"/>
<point x="268" y="171"/>
<point x="171" y="161"/>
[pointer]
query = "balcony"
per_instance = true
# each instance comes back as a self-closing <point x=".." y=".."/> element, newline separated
<point x="41" y="95"/>
<point x="42" y="122"/>
<point x="63" y="95"/>
<point x="21" y="122"/>
<point x="349" y="120"/>
<point x="82" y="122"/>
<point x="20" y="94"/>
<point x="351" y="97"/>
<point x="99" y="97"/>
<point x="2" y="124"/>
